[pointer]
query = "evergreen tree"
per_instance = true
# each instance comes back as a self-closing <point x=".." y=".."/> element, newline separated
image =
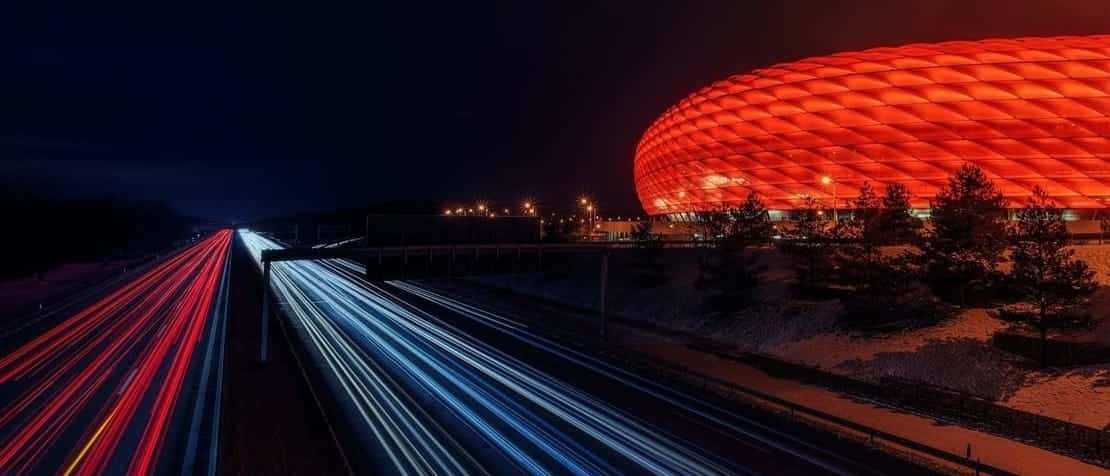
<point x="1044" y="269"/>
<point x="867" y="208"/>
<point x="894" y="223"/>
<point x="647" y="258"/>
<point x="730" y="271"/>
<point x="814" y="258"/>
<point x="968" y="237"/>
<point x="884" y="286"/>
<point x="751" y="223"/>
<point x="713" y="224"/>
<point x="861" y="253"/>
<point x="808" y="220"/>
<point x="885" y="290"/>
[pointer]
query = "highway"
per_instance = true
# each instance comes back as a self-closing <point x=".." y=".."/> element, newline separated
<point x="433" y="385"/>
<point x="127" y="385"/>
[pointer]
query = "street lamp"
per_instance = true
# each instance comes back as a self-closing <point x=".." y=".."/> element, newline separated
<point x="826" y="180"/>
<point x="529" y="209"/>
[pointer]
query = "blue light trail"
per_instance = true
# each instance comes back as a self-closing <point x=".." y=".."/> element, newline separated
<point x="428" y="398"/>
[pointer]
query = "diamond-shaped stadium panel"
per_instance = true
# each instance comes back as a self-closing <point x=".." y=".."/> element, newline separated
<point x="1028" y="111"/>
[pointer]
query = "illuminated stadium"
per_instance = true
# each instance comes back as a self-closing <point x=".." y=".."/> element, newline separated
<point x="1028" y="111"/>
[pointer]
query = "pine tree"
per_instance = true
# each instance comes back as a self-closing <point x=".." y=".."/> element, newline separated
<point x="814" y="258"/>
<point x="885" y="289"/>
<point x="859" y="256"/>
<point x="968" y="235"/>
<point x="867" y="208"/>
<point x="647" y="259"/>
<point x="1044" y="269"/>
<point x="713" y="224"/>
<point x="730" y="271"/>
<point x="808" y="220"/>
<point x="894" y="223"/>
<point x="751" y="224"/>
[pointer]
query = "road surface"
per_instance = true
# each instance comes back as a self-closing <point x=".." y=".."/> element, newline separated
<point x="127" y="385"/>
<point x="423" y="391"/>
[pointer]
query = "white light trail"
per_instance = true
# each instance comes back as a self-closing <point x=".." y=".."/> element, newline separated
<point x="382" y="356"/>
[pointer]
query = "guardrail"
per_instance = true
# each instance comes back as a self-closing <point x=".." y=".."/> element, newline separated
<point x="728" y="391"/>
<point x="961" y="408"/>
<point x="731" y="391"/>
<point x="401" y="265"/>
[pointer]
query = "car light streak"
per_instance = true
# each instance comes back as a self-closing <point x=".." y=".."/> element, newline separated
<point x="115" y="368"/>
<point x="379" y="352"/>
<point x="693" y="405"/>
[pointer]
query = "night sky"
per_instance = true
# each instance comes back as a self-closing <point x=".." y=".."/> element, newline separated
<point x="235" y="112"/>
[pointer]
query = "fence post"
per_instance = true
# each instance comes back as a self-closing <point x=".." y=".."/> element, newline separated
<point x="264" y="337"/>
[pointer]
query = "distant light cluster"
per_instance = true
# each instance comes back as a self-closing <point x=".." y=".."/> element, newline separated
<point x="1028" y="111"/>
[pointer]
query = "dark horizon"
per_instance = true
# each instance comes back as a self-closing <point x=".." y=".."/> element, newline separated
<point x="235" y="113"/>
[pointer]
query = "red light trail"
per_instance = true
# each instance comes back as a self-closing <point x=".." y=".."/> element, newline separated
<point x="97" y="391"/>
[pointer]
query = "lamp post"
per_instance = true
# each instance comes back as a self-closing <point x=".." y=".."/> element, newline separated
<point x="826" y="180"/>
<point x="531" y="209"/>
<point x="591" y="212"/>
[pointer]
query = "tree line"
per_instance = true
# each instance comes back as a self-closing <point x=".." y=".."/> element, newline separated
<point x="890" y="269"/>
<point x="42" y="232"/>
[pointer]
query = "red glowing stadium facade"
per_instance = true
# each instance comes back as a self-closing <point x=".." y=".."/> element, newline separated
<point x="1029" y="111"/>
